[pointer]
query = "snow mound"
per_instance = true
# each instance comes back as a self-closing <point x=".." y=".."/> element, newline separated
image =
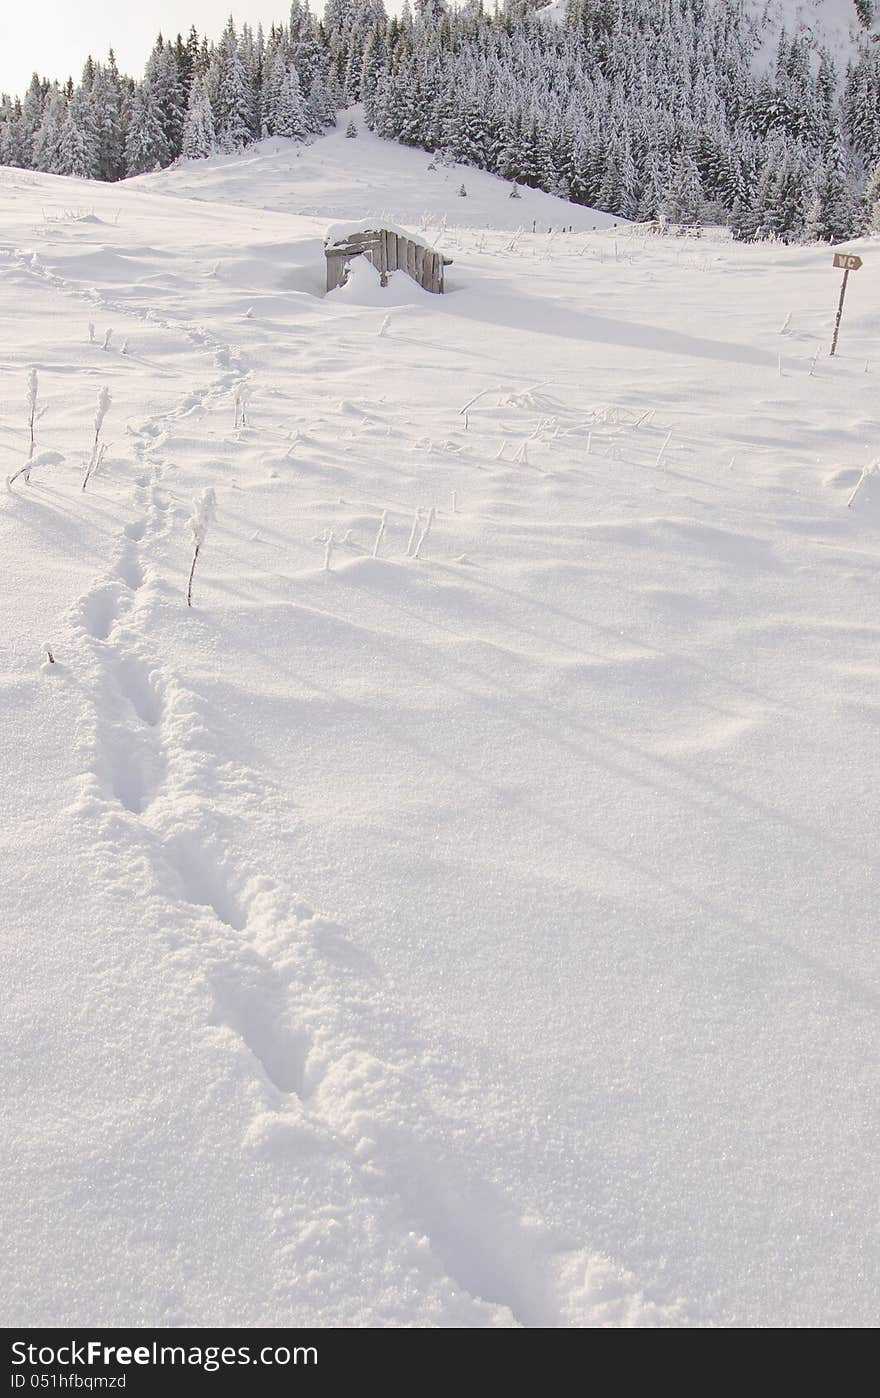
<point x="364" y="287"/>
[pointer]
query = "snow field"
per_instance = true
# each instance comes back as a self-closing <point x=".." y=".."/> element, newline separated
<point x="482" y="939"/>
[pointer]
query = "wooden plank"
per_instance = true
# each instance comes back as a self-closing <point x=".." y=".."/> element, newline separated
<point x="383" y="259"/>
<point x="392" y="241"/>
<point x="411" y="259"/>
<point x="361" y="245"/>
<point x="335" y="271"/>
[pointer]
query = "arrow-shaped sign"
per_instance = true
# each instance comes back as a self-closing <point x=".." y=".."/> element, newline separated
<point x="849" y="261"/>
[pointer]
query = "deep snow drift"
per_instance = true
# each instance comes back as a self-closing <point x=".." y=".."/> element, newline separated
<point x="483" y="938"/>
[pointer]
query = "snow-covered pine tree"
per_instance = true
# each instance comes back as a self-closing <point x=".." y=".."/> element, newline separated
<point x="77" y="148"/>
<point x="32" y="109"/>
<point x="107" y="102"/>
<point x="146" y="147"/>
<point x="871" y="203"/>
<point x="168" y="94"/>
<point x="198" y="138"/>
<point x="685" y="201"/>
<point x="290" y="118"/>
<point x="833" y="217"/>
<point x="47" y="138"/>
<point x="234" y="111"/>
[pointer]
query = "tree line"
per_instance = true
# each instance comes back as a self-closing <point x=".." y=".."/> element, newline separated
<point x="647" y="109"/>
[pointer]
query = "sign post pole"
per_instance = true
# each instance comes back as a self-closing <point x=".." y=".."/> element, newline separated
<point x="850" y="263"/>
<point x="839" y="310"/>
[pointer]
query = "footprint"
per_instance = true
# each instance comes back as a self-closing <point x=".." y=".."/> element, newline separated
<point x="252" y="1004"/>
<point x="130" y="570"/>
<point x="203" y="880"/>
<point x="128" y="768"/>
<point x="136" y="685"/>
<point x="129" y="784"/>
<point x="99" y="609"/>
<point x="135" y="530"/>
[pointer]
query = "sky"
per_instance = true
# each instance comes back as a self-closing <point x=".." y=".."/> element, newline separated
<point x="55" y="36"/>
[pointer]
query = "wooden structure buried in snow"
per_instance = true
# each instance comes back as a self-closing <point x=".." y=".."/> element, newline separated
<point x="388" y="249"/>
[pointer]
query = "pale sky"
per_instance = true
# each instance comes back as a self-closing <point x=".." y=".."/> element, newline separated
<point x="55" y="36"/>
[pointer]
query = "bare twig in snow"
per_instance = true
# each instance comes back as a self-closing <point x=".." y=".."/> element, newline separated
<point x="203" y="512"/>
<point x="471" y="401"/>
<point x="416" y="524"/>
<point x="859" y="483"/>
<point x="380" y="534"/>
<point x="104" y="401"/>
<point x="32" y="394"/>
<point x="667" y="439"/>
<point x="425" y="532"/>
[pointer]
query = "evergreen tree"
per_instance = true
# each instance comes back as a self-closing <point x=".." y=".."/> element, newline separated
<point x="832" y="217"/>
<point x="47" y="138"/>
<point x="198" y="138"/>
<point x="234" y="108"/>
<point x="146" y="147"/>
<point x="32" y="109"/>
<point x="291" y="116"/>
<point x="685" y="201"/>
<point x="107" y="105"/>
<point x="163" y="76"/>
<point x="871" y="203"/>
<point x="76" y="154"/>
<point x="13" y="149"/>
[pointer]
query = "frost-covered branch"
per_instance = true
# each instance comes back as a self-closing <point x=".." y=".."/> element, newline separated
<point x="203" y="514"/>
<point x="97" y="456"/>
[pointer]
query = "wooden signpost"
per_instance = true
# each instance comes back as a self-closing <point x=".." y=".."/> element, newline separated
<point x="850" y="262"/>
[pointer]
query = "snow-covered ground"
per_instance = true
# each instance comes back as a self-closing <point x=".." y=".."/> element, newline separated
<point x="832" y="25"/>
<point x="485" y="938"/>
<point x="345" y="178"/>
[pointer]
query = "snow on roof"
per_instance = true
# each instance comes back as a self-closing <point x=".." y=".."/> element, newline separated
<point x="339" y="232"/>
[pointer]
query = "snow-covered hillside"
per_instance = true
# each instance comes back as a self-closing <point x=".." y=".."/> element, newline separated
<point x="479" y="930"/>
<point x="833" y="24"/>
<point x="830" y="26"/>
<point x="338" y="176"/>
